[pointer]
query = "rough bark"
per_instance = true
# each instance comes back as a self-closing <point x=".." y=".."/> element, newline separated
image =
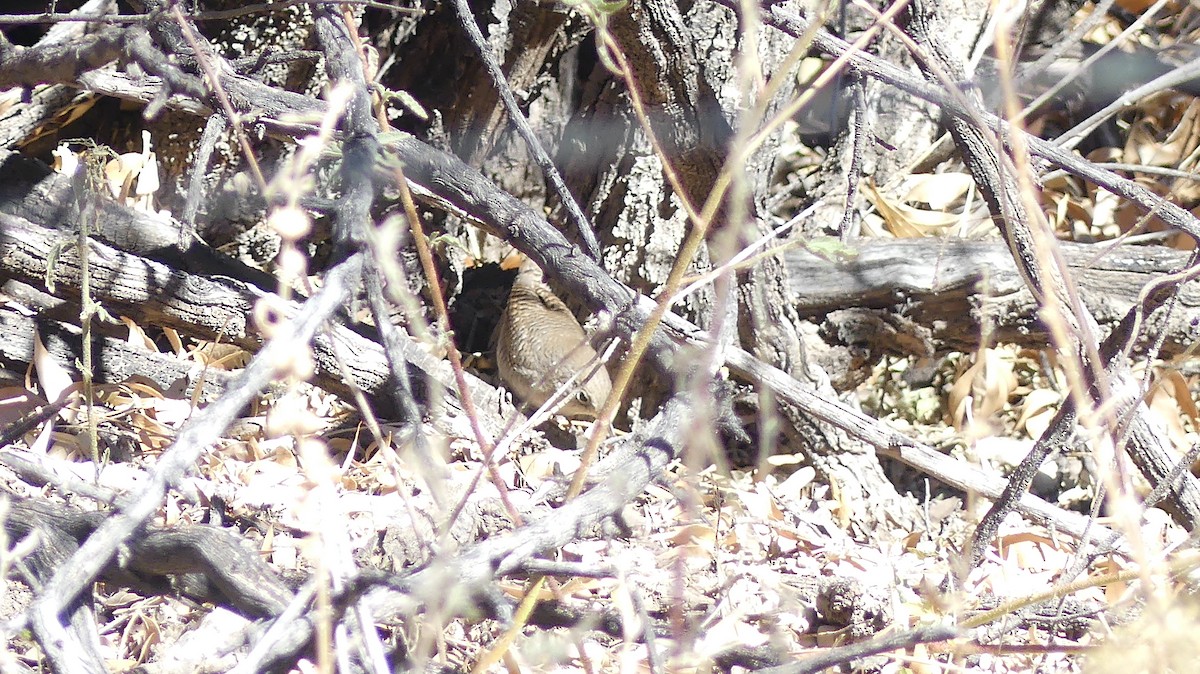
<point x="937" y="293"/>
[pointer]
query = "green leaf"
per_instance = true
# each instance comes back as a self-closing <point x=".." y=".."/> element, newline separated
<point x="828" y="248"/>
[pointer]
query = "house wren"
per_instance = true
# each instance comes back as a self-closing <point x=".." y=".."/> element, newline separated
<point x="540" y="345"/>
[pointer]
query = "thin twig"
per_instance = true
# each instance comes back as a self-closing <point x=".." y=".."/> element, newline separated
<point x="197" y="434"/>
<point x="487" y="446"/>
<point x="203" y="59"/>
<point x="204" y="149"/>
<point x="587" y="234"/>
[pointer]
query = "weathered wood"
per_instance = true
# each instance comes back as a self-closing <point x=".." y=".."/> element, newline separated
<point x="116" y="360"/>
<point x="241" y="579"/>
<point x="955" y="287"/>
<point x="152" y="293"/>
<point x="30" y="190"/>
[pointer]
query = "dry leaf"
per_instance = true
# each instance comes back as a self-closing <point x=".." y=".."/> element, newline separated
<point x="137" y="336"/>
<point x="906" y="221"/>
<point x="1169" y="400"/>
<point x="176" y="343"/>
<point x="987" y="384"/>
<point x="760" y="504"/>
<point x="939" y="190"/>
<point x="55" y="379"/>
<point x="1037" y="411"/>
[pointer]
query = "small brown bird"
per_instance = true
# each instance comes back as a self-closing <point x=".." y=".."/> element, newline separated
<point x="540" y="345"/>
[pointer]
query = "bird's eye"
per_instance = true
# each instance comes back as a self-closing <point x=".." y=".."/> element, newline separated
<point x="583" y="398"/>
